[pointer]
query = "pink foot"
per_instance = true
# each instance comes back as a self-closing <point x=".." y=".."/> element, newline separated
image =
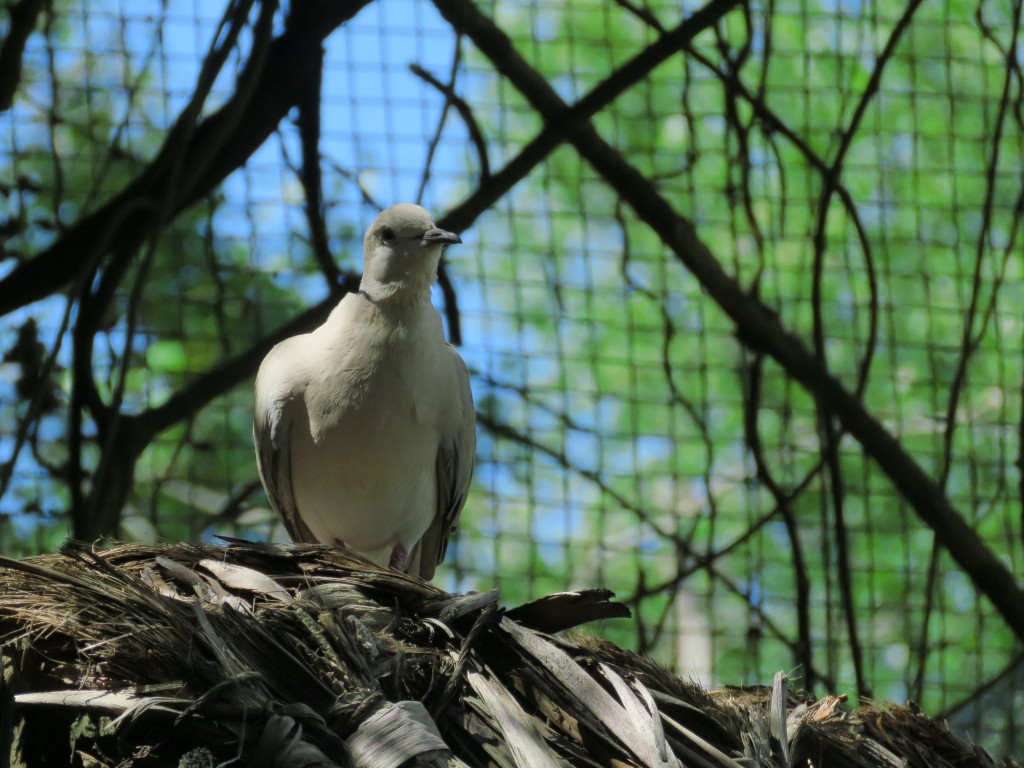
<point x="338" y="543"/>
<point x="399" y="558"/>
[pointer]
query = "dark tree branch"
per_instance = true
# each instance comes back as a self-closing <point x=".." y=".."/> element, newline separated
<point x="667" y="336"/>
<point x="496" y="427"/>
<point x="969" y="341"/>
<point x="232" y="508"/>
<point x="830" y="439"/>
<point x="451" y="305"/>
<point x="774" y="124"/>
<point x="476" y="136"/>
<point x="23" y="18"/>
<point x="783" y="635"/>
<point x="219" y="145"/>
<point x="555" y="131"/>
<point x="831" y="178"/>
<point x="99" y="513"/>
<point x="224" y="377"/>
<point x="238" y="131"/>
<point x="830" y="436"/>
<point x="978" y="695"/>
<point x="492" y="188"/>
<point x="310" y="175"/>
<point x="758" y="327"/>
<point x="353" y="177"/>
<point x="451" y="299"/>
<point x="699" y="562"/>
<point x="783" y="502"/>
<point x="643" y="14"/>
<point x="742" y="132"/>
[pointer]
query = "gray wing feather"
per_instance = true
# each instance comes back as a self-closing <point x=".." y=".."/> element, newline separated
<point x="455" y="459"/>
<point x="272" y="432"/>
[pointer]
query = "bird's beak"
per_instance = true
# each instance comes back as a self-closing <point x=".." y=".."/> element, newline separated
<point x="437" y="235"/>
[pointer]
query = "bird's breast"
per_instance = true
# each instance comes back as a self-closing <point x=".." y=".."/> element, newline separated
<point x="369" y="384"/>
<point x="368" y="478"/>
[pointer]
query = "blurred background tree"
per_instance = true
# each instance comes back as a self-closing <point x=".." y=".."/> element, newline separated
<point x="718" y="260"/>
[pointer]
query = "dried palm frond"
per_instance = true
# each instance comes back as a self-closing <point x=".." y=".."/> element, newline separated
<point x="266" y="655"/>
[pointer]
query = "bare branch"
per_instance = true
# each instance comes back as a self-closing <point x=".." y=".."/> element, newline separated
<point x="775" y="124"/>
<point x="643" y="14"/>
<point x="496" y="427"/>
<point x="451" y="299"/>
<point x="23" y="18"/>
<point x="969" y="341"/>
<point x="779" y="633"/>
<point x="757" y="326"/>
<point x="100" y="512"/>
<point x="224" y="377"/>
<point x="978" y="695"/>
<point x="555" y="131"/>
<point x="310" y="176"/>
<point x="831" y="180"/>
<point x="783" y="502"/>
<point x="476" y="136"/>
<point x="218" y="146"/>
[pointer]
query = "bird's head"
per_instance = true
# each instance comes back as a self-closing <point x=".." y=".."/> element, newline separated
<point x="401" y="250"/>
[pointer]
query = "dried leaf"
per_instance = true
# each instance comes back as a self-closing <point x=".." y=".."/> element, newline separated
<point x="527" y="745"/>
<point x="239" y="577"/>
<point x="587" y="693"/>
<point x="565" y="610"/>
<point x="394" y="734"/>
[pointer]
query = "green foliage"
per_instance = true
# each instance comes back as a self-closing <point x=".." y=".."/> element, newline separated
<point x="648" y="368"/>
<point x="621" y="394"/>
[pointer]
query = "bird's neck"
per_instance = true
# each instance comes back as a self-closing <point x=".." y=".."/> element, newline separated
<point x="397" y="296"/>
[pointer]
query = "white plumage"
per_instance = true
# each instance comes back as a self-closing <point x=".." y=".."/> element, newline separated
<point x="364" y="429"/>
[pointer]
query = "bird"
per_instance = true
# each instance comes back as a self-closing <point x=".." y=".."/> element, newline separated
<point x="364" y="429"/>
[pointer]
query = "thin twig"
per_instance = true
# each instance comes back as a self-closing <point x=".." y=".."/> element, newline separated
<point x="219" y="145"/>
<point x="783" y="503"/>
<point x="774" y="629"/>
<point x="1012" y="669"/>
<point x="451" y="298"/>
<point x="969" y="341"/>
<point x="100" y="514"/>
<point x="311" y="178"/>
<point x="691" y="410"/>
<point x="220" y="379"/>
<point x="556" y="131"/>
<point x="500" y="429"/>
<point x="758" y="327"/>
<point x="476" y="136"/>
<point x="22" y="18"/>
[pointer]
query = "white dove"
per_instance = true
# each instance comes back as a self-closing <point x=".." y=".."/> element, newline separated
<point x="364" y="429"/>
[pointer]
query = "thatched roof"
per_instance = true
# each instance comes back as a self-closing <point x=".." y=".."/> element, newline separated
<point x="187" y="655"/>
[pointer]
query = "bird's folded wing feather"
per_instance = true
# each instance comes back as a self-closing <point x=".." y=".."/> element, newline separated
<point x="455" y="458"/>
<point x="272" y="433"/>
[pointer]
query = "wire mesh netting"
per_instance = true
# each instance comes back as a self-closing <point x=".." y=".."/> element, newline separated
<point x="856" y="167"/>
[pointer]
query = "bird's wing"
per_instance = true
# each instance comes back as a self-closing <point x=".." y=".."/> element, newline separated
<point x="277" y="409"/>
<point x="455" y="458"/>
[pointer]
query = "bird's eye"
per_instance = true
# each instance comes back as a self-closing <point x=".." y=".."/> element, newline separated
<point x="387" y="235"/>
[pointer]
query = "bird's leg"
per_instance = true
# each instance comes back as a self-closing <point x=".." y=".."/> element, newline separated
<point x="338" y="543"/>
<point x="399" y="558"/>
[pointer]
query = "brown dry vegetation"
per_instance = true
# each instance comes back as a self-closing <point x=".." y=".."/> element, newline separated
<point x="190" y="655"/>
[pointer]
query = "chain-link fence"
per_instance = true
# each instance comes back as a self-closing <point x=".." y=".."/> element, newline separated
<point x="185" y="184"/>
